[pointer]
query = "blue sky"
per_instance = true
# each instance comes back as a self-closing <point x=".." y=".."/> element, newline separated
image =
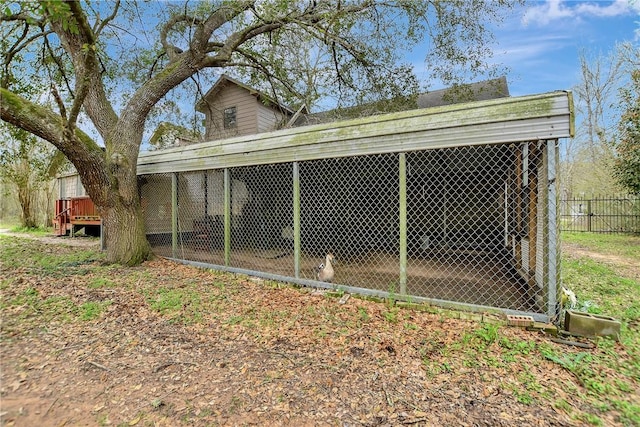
<point x="541" y="42"/>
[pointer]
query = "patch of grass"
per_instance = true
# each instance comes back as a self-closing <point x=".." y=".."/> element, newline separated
<point x="410" y="326"/>
<point x="183" y="305"/>
<point x="576" y="363"/>
<point x="563" y="405"/>
<point x="235" y="320"/>
<point x="49" y="259"/>
<point x="61" y="308"/>
<point x="29" y="297"/>
<point x="364" y="315"/>
<point x="611" y="244"/>
<point x="603" y="287"/>
<point x="478" y="339"/>
<point x="391" y="315"/>
<point x="630" y="411"/>
<point x="487" y="334"/>
<point x="100" y="282"/>
<point x="37" y="231"/>
<point x="594" y="420"/>
<point x="91" y="310"/>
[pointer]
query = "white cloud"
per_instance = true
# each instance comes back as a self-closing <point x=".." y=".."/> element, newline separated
<point x="553" y="10"/>
<point x="547" y="12"/>
<point x="617" y="8"/>
<point x="532" y="47"/>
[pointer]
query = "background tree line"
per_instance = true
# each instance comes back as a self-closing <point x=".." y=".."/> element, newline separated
<point x="604" y="156"/>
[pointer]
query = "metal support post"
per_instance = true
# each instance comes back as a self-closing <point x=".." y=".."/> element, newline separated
<point x="296" y="219"/>
<point x="227" y="217"/>
<point x="403" y="222"/>
<point x="174" y="214"/>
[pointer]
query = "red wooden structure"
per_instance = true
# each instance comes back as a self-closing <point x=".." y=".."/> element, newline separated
<point x="75" y="213"/>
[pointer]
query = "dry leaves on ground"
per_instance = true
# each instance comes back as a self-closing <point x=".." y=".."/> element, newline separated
<point x="177" y="345"/>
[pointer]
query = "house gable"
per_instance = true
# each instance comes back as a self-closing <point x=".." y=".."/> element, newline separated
<point x="234" y="109"/>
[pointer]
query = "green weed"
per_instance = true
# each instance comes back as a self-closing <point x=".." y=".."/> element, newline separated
<point x="563" y="405"/>
<point x="100" y="282"/>
<point x="92" y="310"/>
<point x="364" y="316"/>
<point x="391" y="315"/>
<point x="183" y="305"/>
<point x="234" y="320"/>
<point x="576" y="363"/>
<point x="591" y="419"/>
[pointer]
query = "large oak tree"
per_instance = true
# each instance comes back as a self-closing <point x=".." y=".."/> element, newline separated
<point x="105" y="67"/>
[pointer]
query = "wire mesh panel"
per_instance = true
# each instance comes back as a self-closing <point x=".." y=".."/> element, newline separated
<point x="469" y="221"/>
<point x="200" y="202"/>
<point x="262" y="218"/>
<point x="349" y="208"/>
<point x="155" y="195"/>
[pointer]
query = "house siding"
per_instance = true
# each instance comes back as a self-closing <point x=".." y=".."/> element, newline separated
<point x="268" y="118"/>
<point x="70" y="186"/>
<point x="246" y="115"/>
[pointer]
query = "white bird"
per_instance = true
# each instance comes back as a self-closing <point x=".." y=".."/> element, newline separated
<point x="325" y="270"/>
<point x="568" y="299"/>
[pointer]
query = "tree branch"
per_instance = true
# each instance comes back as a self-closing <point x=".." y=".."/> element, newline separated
<point x="43" y="123"/>
<point x="58" y="62"/>
<point x="89" y="88"/>
<point x="58" y="98"/>
<point x="99" y="27"/>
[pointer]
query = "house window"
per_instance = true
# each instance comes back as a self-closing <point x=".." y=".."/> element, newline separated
<point x="230" y="118"/>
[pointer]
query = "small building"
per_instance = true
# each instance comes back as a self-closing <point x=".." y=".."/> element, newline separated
<point x="453" y="205"/>
<point x="74" y="209"/>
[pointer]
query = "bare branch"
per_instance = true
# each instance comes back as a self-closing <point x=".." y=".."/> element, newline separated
<point x="58" y="98"/>
<point x="99" y="27"/>
<point x="58" y="62"/>
<point x="171" y="50"/>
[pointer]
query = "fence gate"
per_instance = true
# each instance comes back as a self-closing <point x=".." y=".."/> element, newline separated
<point x="601" y="214"/>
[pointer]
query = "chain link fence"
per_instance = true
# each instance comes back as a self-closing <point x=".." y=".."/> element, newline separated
<point x="468" y="225"/>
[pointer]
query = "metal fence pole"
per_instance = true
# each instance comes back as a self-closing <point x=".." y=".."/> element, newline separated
<point x="403" y="221"/>
<point x="227" y="217"/>
<point x="296" y="219"/>
<point x="174" y="214"/>
<point x="553" y="257"/>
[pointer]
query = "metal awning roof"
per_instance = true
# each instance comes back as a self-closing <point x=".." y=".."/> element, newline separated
<point x="497" y="121"/>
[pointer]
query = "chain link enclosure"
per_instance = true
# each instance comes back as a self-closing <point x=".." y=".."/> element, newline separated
<point x="408" y="205"/>
<point x="470" y="216"/>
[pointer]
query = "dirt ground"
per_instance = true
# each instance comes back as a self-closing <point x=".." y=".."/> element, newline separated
<point x="260" y="354"/>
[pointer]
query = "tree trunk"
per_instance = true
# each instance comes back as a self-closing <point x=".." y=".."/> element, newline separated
<point x="24" y="197"/>
<point x="124" y="234"/>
